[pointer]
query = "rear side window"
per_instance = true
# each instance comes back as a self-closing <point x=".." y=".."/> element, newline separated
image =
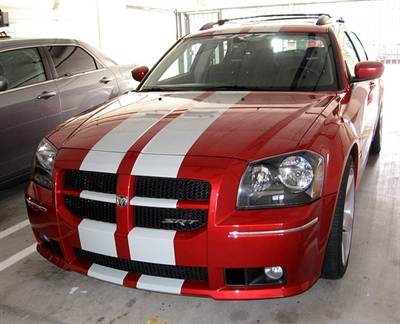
<point x="71" y="60"/>
<point x="22" y="67"/>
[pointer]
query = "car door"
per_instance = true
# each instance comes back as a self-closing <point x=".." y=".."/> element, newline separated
<point x="83" y="81"/>
<point x="29" y="108"/>
<point x="364" y="99"/>
<point x="372" y="100"/>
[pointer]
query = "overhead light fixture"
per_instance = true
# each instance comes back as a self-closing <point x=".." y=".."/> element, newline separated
<point x="56" y="4"/>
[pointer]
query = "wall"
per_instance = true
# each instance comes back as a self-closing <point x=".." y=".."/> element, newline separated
<point x="130" y="32"/>
<point x="127" y="35"/>
<point x="376" y="22"/>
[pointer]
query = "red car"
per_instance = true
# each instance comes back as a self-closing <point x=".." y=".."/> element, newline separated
<point x="230" y="172"/>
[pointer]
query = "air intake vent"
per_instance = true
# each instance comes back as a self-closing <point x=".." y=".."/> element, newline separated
<point x="92" y="181"/>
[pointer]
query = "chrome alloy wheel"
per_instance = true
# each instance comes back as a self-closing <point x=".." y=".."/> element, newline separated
<point x="348" y="217"/>
<point x="338" y="248"/>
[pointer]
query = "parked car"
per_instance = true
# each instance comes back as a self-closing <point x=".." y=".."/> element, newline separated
<point x="231" y="172"/>
<point x="44" y="82"/>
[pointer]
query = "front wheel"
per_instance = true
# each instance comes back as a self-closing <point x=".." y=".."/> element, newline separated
<point x="338" y="248"/>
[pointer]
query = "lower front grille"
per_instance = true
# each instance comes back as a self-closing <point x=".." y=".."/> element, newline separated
<point x="151" y="269"/>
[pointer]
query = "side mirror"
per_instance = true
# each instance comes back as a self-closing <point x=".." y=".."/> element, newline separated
<point x="368" y="70"/>
<point x="138" y="73"/>
<point x="3" y="83"/>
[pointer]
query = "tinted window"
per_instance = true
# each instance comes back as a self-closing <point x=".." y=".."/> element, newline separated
<point x="22" y="67"/>
<point x="70" y="60"/>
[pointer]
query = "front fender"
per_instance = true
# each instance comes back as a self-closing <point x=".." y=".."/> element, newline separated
<point x="334" y="137"/>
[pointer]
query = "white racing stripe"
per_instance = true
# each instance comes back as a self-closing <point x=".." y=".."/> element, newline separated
<point x="98" y="196"/>
<point x="163" y="157"/>
<point x="99" y="161"/>
<point x="98" y="237"/>
<point x="266" y="28"/>
<point x="152" y="245"/>
<point x="145" y="282"/>
<point x="107" y="154"/>
<point x="107" y="274"/>
<point x="164" y="285"/>
<point x="164" y="154"/>
<point x="153" y="202"/>
<point x="114" y="145"/>
<point x="158" y="165"/>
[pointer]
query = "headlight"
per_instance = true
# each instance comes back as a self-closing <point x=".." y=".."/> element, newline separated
<point x="290" y="179"/>
<point x="43" y="164"/>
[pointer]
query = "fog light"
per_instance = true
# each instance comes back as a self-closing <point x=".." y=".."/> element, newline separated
<point x="273" y="273"/>
<point x="50" y="244"/>
<point x="44" y="238"/>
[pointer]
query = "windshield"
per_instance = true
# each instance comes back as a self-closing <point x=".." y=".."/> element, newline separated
<point x="265" y="62"/>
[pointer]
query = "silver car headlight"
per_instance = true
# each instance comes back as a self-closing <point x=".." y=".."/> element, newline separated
<point x="43" y="164"/>
<point x="284" y="180"/>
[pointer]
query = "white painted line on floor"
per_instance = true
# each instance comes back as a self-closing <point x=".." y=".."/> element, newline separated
<point x="17" y="257"/>
<point x="13" y="229"/>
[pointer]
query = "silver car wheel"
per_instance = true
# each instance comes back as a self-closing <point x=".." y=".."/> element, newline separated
<point x="348" y="217"/>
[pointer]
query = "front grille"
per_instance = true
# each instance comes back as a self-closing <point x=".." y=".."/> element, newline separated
<point x="91" y="181"/>
<point x="197" y="192"/>
<point x="151" y="269"/>
<point x="169" y="218"/>
<point x="167" y="188"/>
<point x="91" y="209"/>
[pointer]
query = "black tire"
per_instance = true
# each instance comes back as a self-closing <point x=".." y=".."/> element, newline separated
<point x="377" y="141"/>
<point x="339" y="243"/>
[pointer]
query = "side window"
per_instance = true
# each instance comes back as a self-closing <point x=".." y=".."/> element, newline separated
<point x="70" y="60"/>
<point x="362" y="56"/>
<point x="22" y="67"/>
<point x="349" y="53"/>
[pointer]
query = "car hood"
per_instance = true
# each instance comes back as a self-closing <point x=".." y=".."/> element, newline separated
<point x="244" y="125"/>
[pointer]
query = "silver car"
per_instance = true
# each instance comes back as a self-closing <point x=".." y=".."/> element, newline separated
<point x="44" y="82"/>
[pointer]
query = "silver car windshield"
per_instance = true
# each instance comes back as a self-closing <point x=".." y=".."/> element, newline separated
<point x="264" y="62"/>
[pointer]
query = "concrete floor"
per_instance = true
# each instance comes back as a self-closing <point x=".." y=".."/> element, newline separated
<point x="35" y="291"/>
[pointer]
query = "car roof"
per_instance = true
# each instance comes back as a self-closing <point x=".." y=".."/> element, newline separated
<point x="318" y="23"/>
<point x="18" y="42"/>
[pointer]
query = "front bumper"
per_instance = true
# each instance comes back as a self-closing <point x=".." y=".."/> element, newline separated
<point x="208" y="261"/>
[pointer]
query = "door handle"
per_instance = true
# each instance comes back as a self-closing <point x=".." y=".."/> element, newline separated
<point x="372" y="85"/>
<point x="105" y="80"/>
<point x="46" y="95"/>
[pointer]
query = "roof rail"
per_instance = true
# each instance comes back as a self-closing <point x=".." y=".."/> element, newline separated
<point x="322" y="19"/>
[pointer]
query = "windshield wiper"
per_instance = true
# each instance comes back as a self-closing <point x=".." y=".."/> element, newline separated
<point x="157" y="89"/>
<point x="205" y="88"/>
<point x="230" y="88"/>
